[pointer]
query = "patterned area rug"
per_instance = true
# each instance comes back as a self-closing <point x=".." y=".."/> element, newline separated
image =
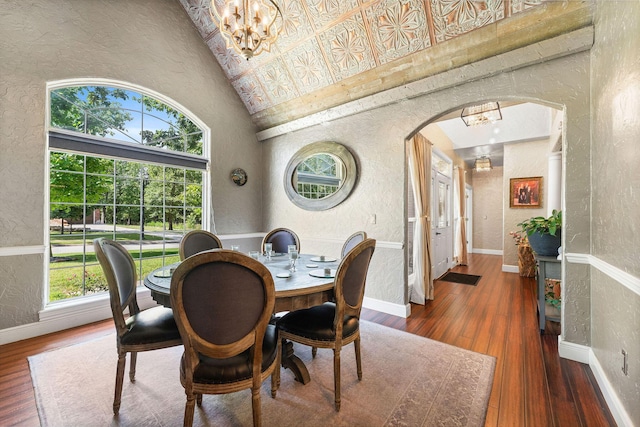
<point x="465" y="279"/>
<point x="407" y="380"/>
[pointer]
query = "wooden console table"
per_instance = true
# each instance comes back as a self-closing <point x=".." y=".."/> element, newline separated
<point x="548" y="268"/>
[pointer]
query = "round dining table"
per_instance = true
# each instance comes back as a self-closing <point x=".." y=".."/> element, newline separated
<point x="305" y="287"/>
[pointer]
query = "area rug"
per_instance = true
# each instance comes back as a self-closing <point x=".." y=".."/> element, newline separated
<point x="407" y="380"/>
<point x="465" y="279"/>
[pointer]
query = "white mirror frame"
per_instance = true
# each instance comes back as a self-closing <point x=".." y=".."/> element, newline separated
<point x="328" y="147"/>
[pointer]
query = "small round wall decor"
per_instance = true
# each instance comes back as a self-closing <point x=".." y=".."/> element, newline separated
<point x="239" y="176"/>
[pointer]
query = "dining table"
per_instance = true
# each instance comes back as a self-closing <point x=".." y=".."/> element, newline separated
<point x="310" y="284"/>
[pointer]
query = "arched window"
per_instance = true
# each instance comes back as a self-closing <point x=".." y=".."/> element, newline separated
<point x="126" y="165"/>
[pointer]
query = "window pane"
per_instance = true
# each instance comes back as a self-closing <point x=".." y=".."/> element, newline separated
<point x="138" y="204"/>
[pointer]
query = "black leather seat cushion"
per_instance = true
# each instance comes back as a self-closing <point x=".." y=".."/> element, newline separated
<point x="316" y="323"/>
<point x="150" y="326"/>
<point x="220" y="371"/>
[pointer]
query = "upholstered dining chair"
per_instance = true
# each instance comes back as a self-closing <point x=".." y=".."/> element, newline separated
<point x="223" y="301"/>
<point x="334" y="324"/>
<point x="150" y="329"/>
<point x="281" y="238"/>
<point x="352" y="241"/>
<point x="197" y="241"/>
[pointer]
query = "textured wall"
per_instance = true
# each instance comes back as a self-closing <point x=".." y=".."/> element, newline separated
<point x="377" y="139"/>
<point x="616" y="194"/>
<point x="149" y="43"/>
<point x="487" y="209"/>
<point x="521" y="161"/>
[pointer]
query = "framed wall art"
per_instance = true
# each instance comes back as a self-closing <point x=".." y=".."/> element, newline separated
<point x="525" y="192"/>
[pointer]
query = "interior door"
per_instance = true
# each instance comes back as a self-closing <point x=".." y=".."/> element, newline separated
<point x="441" y="231"/>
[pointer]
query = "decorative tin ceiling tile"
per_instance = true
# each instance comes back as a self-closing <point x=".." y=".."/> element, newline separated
<point x="276" y="83"/>
<point x="251" y="93"/>
<point x="322" y="12"/>
<point x="398" y="28"/>
<point x="199" y="12"/>
<point x="454" y="17"/>
<point x="522" y="5"/>
<point x="307" y="67"/>
<point x="347" y="48"/>
<point x="232" y="63"/>
<point x="296" y="26"/>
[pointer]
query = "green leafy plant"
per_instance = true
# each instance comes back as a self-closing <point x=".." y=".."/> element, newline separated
<point x="542" y="225"/>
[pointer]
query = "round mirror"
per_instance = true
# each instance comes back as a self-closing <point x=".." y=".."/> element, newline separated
<point x="320" y="176"/>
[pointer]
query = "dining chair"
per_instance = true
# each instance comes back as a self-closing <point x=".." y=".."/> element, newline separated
<point x="352" y="241"/>
<point x="281" y="238"/>
<point x="197" y="241"/>
<point x="223" y="301"/>
<point x="334" y="324"/>
<point x="150" y="329"/>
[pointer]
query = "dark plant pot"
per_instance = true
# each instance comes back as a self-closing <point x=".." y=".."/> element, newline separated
<point x="545" y="244"/>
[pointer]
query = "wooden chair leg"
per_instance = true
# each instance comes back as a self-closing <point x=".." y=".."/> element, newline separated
<point x="275" y="377"/>
<point x="132" y="367"/>
<point x="122" y="358"/>
<point x="255" y="405"/>
<point x="356" y="345"/>
<point x="199" y="399"/>
<point x="314" y="351"/>
<point x="336" y="376"/>
<point x="189" y="410"/>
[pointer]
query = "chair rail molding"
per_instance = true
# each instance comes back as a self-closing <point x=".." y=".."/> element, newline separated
<point x="23" y="250"/>
<point x="625" y="279"/>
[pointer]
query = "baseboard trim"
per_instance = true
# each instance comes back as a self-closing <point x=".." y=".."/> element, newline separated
<point x="510" y="268"/>
<point x="387" y="307"/>
<point x="576" y="352"/>
<point x="584" y="354"/>
<point x="487" y="251"/>
<point x="610" y="396"/>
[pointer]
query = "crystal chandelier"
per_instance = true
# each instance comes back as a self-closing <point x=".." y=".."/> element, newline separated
<point x="249" y="27"/>
<point x="482" y="164"/>
<point x="488" y="112"/>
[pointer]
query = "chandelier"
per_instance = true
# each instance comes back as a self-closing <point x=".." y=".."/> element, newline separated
<point x="482" y="164"/>
<point x="249" y="27"/>
<point x="488" y="112"/>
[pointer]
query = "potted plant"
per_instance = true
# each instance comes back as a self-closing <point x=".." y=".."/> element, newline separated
<point x="544" y="234"/>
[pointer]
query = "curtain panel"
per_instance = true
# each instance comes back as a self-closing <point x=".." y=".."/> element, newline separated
<point x="421" y="281"/>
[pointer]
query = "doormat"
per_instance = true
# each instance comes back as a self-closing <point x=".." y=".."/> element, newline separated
<point x="465" y="279"/>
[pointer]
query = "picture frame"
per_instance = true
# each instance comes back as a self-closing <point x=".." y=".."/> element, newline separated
<point x="525" y="192"/>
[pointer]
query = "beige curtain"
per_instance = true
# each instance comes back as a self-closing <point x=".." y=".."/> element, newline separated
<point x="421" y="280"/>
<point x="463" y="256"/>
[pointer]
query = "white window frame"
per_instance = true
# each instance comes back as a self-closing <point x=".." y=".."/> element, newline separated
<point x="207" y="209"/>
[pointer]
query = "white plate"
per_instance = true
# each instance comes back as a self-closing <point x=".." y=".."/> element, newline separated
<point x="326" y="259"/>
<point x="312" y="265"/>
<point x="283" y="275"/>
<point x="164" y="273"/>
<point x="320" y="273"/>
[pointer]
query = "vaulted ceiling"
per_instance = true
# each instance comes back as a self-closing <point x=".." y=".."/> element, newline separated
<point x="331" y="52"/>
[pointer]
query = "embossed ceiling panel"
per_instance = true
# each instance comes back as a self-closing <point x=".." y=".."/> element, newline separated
<point x="327" y="42"/>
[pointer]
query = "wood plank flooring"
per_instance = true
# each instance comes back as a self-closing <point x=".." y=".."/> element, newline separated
<point x="532" y="386"/>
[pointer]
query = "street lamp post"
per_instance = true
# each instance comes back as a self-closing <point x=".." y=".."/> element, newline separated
<point x="144" y="180"/>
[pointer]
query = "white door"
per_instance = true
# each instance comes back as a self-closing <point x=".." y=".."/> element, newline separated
<point x="441" y="230"/>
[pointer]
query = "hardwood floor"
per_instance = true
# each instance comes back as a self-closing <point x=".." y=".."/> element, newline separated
<point x="532" y="385"/>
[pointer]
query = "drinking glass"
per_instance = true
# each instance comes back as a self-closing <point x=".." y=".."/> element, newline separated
<point x="254" y="254"/>
<point x="267" y="250"/>
<point x="293" y="256"/>
<point x="235" y="247"/>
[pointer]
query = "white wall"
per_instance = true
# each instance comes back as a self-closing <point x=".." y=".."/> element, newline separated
<point x="488" y="195"/>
